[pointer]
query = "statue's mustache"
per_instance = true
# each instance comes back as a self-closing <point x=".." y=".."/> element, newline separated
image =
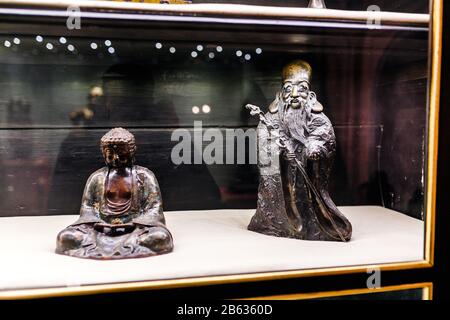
<point x="296" y="100"/>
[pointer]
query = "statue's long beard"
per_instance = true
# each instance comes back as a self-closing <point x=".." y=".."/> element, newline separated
<point x="300" y="117"/>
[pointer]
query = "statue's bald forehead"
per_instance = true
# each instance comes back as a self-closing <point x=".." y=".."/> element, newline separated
<point x="297" y="71"/>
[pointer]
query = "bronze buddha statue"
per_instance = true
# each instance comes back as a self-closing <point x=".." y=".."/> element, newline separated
<point x="121" y="213"/>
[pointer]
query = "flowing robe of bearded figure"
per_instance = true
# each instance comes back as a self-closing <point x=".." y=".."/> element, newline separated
<point x="288" y="204"/>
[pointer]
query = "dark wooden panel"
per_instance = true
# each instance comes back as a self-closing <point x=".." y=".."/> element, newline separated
<point x="44" y="171"/>
<point x="402" y="160"/>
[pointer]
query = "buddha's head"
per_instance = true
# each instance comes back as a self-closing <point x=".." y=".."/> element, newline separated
<point x="118" y="147"/>
<point x="296" y="82"/>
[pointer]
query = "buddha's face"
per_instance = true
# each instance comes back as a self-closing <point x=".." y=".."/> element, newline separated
<point x="118" y="155"/>
<point x="295" y="92"/>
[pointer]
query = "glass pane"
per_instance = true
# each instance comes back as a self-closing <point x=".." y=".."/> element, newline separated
<point x="65" y="91"/>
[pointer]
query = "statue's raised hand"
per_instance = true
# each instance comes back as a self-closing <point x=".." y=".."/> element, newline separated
<point x="254" y="110"/>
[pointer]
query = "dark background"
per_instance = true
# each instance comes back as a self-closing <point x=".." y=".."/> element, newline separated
<point x="420" y="6"/>
<point x="372" y="83"/>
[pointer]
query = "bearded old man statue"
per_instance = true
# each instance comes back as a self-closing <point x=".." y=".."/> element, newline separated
<point x="121" y="213"/>
<point x="296" y="145"/>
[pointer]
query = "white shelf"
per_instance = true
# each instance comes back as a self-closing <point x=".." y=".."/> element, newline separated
<point x="207" y="243"/>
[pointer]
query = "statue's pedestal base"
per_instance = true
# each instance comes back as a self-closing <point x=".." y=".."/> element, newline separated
<point x="206" y="243"/>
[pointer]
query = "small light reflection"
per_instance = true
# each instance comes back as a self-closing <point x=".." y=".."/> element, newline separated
<point x="49" y="46"/>
<point x="239" y="53"/>
<point x="195" y="109"/>
<point x="111" y="50"/>
<point x="158" y="45"/>
<point x="206" y="108"/>
<point x="194" y="54"/>
<point x="62" y="40"/>
<point x="94" y="45"/>
<point x="70" y="47"/>
<point x="199" y="47"/>
<point x="172" y="50"/>
<point x="96" y="91"/>
<point x="39" y="39"/>
<point x="219" y="49"/>
<point x="16" y="41"/>
<point x="7" y="44"/>
<point x="108" y="43"/>
<point x="211" y="55"/>
<point x="247" y="57"/>
<point x="258" y="50"/>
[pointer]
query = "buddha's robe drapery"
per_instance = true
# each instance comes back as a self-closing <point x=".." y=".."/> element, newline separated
<point x="146" y="214"/>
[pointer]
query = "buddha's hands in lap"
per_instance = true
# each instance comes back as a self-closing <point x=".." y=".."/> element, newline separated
<point x="114" y="228"/>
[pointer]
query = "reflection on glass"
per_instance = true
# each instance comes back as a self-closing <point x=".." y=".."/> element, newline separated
<point x="67" y="91"/>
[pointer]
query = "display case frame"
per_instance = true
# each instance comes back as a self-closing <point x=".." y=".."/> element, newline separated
<point x="99" y="8"/>
<point x="427" y="293"/>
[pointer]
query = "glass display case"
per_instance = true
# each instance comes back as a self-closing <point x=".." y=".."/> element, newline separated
<point x="178" y="76"/>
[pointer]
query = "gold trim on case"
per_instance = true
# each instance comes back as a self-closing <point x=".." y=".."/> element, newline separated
<point x="199" y="281"/>
<point x="433" y="130"/>
<point x="434" y="86"/>
<point x="427" y="294"/>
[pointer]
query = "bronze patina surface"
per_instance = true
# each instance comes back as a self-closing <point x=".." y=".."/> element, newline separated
<point x="121" y="213"/>
<point x="296" y="146"/>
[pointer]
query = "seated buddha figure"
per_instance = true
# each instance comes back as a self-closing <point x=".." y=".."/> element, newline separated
<point x="121" y="213"/>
